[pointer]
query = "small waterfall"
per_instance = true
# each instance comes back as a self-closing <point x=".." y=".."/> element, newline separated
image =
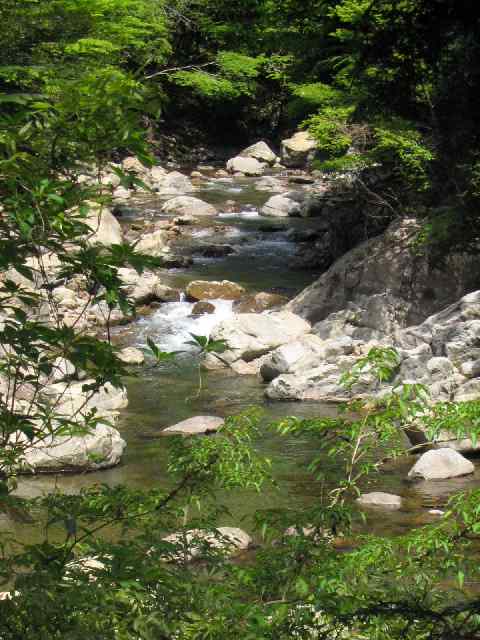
<point x="170" y="327"/>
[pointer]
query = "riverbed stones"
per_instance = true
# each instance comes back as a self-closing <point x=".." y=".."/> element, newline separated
<point x="281" y="206"/>
<point x="379" y="499"/>
<point x="194" y="543"/>
<point x="213" y="290"/>
<point x="188" y="206"/>
<point x="245" y="166"/>
<point x="259" y="151"/>
<point x="197" y="425"/>
<point x="131" y="355"/>
<point x="441" y="465"/>
<point x="298" y="150"/>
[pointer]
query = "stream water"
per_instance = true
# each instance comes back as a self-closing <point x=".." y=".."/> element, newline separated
<point x="162" y="396"/>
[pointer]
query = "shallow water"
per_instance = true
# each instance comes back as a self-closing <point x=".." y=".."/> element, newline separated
<point x="162" y="396"/>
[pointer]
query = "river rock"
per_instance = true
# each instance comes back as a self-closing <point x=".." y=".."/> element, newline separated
<point x="380" y="499"/>
<point x="259" y="151"/>
<point x="153" y="244"/>
<point x="441" y="465"/>
<point x="188" y="206"/>
<point x="174" y="183"/>
<point x="281" y="206"/>
<point x="108" y="400"/>
<point x="194" y="543"/>
<point x="259" y="302"/>
<point x="100" y="449"/>
<point x="245" y="166"/>
<point x="106" y="229"/>
<point x="205" y="290"/>
<point x="298" y="150"/>
<point x="146" y="288"/>
<point x="249" y="336"/>
<point x="195" y="426"/>
<point x="131" y="355"/>
<point x="202" y="307"/>
<point x="268" y="183"/>
<point x="133" y="165"/>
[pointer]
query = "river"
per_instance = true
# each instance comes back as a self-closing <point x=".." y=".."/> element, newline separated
<point x="164" y="395"/>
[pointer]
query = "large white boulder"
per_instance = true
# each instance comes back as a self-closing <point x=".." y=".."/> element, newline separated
<point x="281" y="206"/>
<point x="174" y="183"/>
<point x="249" y="335"/>
<point x="101" y="448"/>
<point x="247" y="166"/>
<point x="188" y="206"/>
<point x="105" y="228"/>
<point x="441" y="465"/>
<point x="298" y="150"/>
<point x="260" y="151"/>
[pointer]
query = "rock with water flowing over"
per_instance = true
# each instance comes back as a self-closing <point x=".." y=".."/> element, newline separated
<point x="246" y="166"/>
<point x="249" y="336"/>
<point x="195" y="426"/>
<point x="188" y="545"/>
<point x="381" y="500"/>
<point x="213" y="290"/>
<point x="281" y="206"/>
<point x="188" y="206"/>
<point x="259" y="151"/>
<point x="441" y="465"/>
<point x="298" y="150"/>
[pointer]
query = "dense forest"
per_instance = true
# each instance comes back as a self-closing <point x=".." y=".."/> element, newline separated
<point x="99" y="98"/>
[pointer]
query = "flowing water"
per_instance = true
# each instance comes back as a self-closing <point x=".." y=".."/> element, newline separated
<point x="162" y="396"/>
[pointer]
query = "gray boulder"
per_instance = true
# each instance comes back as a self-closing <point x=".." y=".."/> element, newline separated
<point x="105" y="228"/>
<point x="195" y="426"/>
<point x="100" y="449"/>
<point x="380" y="499"/>
<point x="281" y="206"/>
<point x="298" y="150"/>
<point x="249" y="336"/>
<point x="188" y="206"/>
<point x="259" y="151"/>
<point x="441" y="465"/>
<point x="247" y="166"/>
